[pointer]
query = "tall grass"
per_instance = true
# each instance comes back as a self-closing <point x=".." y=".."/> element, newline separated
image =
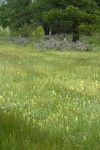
<point x="49" y="100"/>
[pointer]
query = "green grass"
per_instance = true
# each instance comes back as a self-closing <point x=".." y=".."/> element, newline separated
<point x="49" y="100"/>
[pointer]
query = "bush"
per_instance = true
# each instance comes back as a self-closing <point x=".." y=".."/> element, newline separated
<point x="1" y="31"/>
<point x="26" y="31"/>
<point x="20" y="40"/>
<point x="38" y="33"/>
<point x="4" y="33"/>
<point x="59" y="43"/>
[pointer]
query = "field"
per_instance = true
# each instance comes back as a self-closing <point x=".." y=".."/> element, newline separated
<point x="49" y="100"/>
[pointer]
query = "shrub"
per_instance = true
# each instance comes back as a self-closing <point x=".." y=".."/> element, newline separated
<point x="38" y="33"/>
<point x="61" y="44"/>
<point x="20" y="40"/>
<point x="1" y="31"/>
<point x="26" y="31"/>
<point x="4" y="33"/>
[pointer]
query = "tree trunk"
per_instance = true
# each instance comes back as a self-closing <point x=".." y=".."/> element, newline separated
<point x="50" y="31"/>
<point x="75" y="31"/>
<point x="46" y="29"/>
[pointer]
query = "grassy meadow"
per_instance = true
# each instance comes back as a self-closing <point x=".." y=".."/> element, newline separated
<point x="49" y="100"/>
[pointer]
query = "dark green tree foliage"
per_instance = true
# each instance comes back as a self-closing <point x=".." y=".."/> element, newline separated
<point x="37" y="8"/>
<point x="56" y="16"/>
<point x="4" y="20"/>
<point x="16" y="14"/>
<point x="76" y="11"/>
<point x="53" y="19"/>
<point x="98" y="2"/>
<point x="80" y="12"/>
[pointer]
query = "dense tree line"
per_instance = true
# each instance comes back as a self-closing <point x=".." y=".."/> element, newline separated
<point x="56" y="16"/>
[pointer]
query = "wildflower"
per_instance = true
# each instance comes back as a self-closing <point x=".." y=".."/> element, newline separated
<point x="76" y="119"/>
<point x="53" y="92"/>
<point x="67" y="128"/>
<point x="11" y="93"/>
<point x="84" y="137"/>
<point x="82" y="81"/>
<point x="90" y="122"/>
<point x="1" y="97"/>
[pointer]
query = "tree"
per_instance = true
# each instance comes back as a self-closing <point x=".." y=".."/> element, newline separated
<point x="98" y="2"/>
<point x="78" y="16"/>
<point x="58" y="16"/>
<point x="53" y="19"/>
<point x="38" y="7"/>
<point x="16" y="14"/>
<point x="4" y="20"/>
<point x="76" y="11"/>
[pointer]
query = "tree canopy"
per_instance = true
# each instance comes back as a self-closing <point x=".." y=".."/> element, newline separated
<point x="56" y="16"/>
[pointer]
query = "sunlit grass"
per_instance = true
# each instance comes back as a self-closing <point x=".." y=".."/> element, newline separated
<point x="49" y="100"/>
